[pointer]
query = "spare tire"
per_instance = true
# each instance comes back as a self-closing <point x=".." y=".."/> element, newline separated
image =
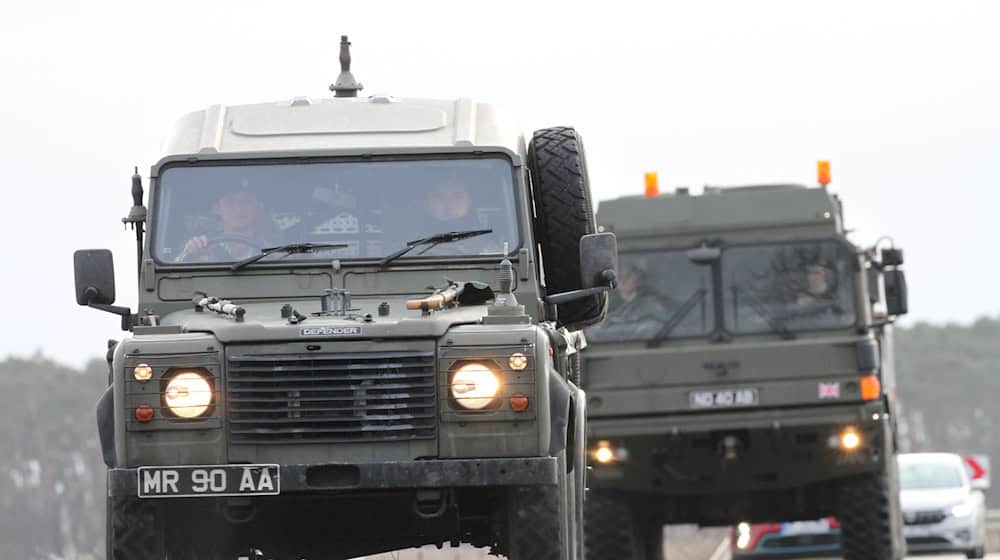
<point x="563" y="214"/>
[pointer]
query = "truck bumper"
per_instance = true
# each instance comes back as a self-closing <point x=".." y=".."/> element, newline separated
<point x="740" y="451"/>
<point x="401" y="475"/>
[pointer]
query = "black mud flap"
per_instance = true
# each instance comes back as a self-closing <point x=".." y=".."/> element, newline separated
<point x="559" y="404"/>
<point x="106" y="426"/>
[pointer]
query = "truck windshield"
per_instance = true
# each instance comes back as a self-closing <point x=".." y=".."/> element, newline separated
<point x="653" y="288"/>
<point x="788" y="287"/>
<point x="926" y="476"/>
<point x="224" y="213"/>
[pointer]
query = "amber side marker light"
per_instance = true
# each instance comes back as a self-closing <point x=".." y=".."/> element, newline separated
<point x="871" y="388"/>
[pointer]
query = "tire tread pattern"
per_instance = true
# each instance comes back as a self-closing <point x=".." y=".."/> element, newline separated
<point x="564" y="214"/>
<point x="133" y="533"/>
<point x="534" y="528"/>
<point x="866" y="516"/>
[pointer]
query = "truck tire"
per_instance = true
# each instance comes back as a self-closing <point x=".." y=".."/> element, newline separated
<point x="563" y="214"/>
<point x="536" y="524"/>
<point x="616" y="528"/>
<point x="133" y="530"/>
<point x="870" y="516"/>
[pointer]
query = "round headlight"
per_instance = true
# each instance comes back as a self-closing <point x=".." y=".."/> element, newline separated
<point x="188" y="394"/>
<point x="142" y="373"/>
<point x="475" y="386"/>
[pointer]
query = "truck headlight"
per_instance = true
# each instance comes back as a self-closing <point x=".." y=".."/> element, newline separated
<point x="188" y="394"/>
<point x="475" y="386"/>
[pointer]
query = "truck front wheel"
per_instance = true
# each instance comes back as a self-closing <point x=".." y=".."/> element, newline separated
<point x="538" y="525"/>
<point x="134" y="531"/>
<point x="616" y="527"/>
<point x="870" y="516"/>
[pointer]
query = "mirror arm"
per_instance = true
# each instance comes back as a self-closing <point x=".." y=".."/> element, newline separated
<point x="566" y="297"/>
<point x="124" y="312"/>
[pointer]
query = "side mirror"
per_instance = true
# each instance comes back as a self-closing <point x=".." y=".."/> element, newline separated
<point x="95" y="283"/>
<point x="704" y="255"/>
<point x="598" y="269"/>
<point x="896" y="301"/>
<point x="95" y="276"/>
<point x="598" y="260"/>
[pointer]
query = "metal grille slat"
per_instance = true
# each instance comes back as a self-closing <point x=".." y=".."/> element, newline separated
<point x="328" y="398"/>
<point x="268" y="397"/>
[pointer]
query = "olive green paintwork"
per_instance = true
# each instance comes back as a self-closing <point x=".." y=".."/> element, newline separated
<point x="302" y="128"/>
<point x="639" y="396"/>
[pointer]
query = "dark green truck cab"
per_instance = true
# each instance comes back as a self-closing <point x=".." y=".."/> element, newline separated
<point x="744" y="371"/>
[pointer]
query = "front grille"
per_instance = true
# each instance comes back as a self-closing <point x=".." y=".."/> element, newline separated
<point x="923" y="517"/>
<point x="320" y="398"/>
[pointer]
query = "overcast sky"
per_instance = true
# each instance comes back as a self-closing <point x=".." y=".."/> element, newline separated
<point x="902" y="96"/>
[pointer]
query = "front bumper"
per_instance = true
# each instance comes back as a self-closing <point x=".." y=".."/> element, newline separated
<point x="951" y="534"/>
<point x="772" y="449"/>
<point x="334" y="477"/>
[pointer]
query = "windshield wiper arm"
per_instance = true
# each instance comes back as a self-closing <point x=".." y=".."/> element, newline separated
<point x="777" y="323"/>
<point x="436" y="239"/>
<point x="289" y="249"/>
<point x="678" y="316"/>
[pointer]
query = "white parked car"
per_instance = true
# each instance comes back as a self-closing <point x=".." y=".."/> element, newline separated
<point x="943" y="509"/>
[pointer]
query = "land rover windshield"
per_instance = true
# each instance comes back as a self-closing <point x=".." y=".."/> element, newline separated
<point x="223" y="213"/>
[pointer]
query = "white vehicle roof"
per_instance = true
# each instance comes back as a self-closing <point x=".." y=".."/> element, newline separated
<point x="376" y="123"/>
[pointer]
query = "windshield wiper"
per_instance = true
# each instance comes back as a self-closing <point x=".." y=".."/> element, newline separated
<point x="434" y="240"/>
<point x="289" y="249"/>
<point x="777" y="323"/>
<point x="678" y="316"/>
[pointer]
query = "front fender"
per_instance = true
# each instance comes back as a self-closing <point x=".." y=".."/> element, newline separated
<point x="560" y="397"/>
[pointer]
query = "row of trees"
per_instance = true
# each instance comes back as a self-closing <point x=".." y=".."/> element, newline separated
<point x="52" y="478"/>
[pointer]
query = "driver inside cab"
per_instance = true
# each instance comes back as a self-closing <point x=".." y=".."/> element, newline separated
<point x="242" y="229"/>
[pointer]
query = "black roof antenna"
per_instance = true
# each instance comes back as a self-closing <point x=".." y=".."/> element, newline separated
<point x="137" y="215"/>
<point x="346" y="85"/>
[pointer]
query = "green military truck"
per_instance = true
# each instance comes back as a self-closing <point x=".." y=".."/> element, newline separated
<point x="744" y="371"/>
<point x="346" y="340"/>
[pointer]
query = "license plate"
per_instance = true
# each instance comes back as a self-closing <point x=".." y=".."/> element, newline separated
<point x="805" y="527"/>
<point x="725" y="398"/>
<point x="209" y="480"/>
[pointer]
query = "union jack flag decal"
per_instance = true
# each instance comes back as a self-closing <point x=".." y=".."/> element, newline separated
<point x="829" y="390"/>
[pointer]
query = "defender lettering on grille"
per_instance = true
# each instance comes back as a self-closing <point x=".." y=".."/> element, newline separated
<point x="331" y="331"/>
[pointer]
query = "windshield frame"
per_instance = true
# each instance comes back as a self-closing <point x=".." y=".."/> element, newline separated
<point x="855" y="279"/>
<point x="323" y="258"/>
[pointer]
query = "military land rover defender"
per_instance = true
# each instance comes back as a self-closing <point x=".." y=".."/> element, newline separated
<point x="356" y="332"/>
<point x="744" y="371"/>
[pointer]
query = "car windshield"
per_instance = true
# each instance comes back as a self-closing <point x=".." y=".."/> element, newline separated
<point x="226" y="213"/>
<point x="927" y="476"/>
<point x="788" y="287"/>
<point x="656" y="288"/>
